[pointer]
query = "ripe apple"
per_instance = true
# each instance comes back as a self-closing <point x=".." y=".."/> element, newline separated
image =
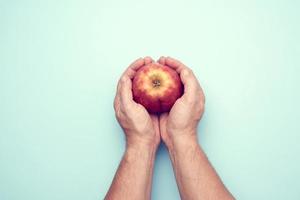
<point x="156" y="87"/>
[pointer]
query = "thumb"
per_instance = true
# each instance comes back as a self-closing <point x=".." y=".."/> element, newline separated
<point x="163" y="123"/>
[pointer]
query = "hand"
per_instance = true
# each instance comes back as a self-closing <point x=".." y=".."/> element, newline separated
<point x="182" y="120"/>
<point x="139" y="126"/>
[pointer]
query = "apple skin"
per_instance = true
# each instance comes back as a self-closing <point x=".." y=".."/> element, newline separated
<point x="156" y="87"/>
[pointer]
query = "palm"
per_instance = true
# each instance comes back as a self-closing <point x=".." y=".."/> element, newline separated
<point x="188" y="109"/>
<point x="147" y="122"/>
<point x="173" y="119"/>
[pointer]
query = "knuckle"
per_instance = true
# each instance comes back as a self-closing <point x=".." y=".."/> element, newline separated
<point x="194" y="98"/>
<point x="118" y="87"/>
<point x="201" y="105"/>
<point x="124" y="109"/>
<point x="116" y="103"/>
<point x="191" y="100"/>
<point x="201" y="100"/>
<point x="115" y="106"/>
<point x="203" y="97"/>
<point x="122" y="95"/>
<point x="123" y="80"/>
<point x="118" y="114"/>
<point x="200" y="93"/>
<point x="187" y="72"/>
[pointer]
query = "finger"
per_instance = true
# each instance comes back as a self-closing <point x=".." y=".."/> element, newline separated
<point x="117" y="92"/>
<point x="117" y="97"/>
<point x="118" y="86"/>
<point x="148" y="60"/>
<point x="163" y="117"/>
<point x="137" y="64"/>
<point x="133" y="67"/>
<point x="155" y="121"/>
<point x="154" y="118"/>
<point x="175" y="64"/>
<point x="162" y="122"/>
<point x="126" y="91"/>
<point x="187" y="76"/>
<point x="189" y="81"/>
<point x="162" y="60"/>
<point x="116" y="102"/>
<point x="130" y="71"/>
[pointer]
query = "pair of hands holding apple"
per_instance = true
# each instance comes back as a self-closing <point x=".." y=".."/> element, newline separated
<point x="147" y="129"/>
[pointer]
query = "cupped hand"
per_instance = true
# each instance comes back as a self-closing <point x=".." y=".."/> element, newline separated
<point x="139" y="126"/>
<point x="182" y="120"/>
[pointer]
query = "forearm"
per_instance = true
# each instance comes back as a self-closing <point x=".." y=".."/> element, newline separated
<point x="133" y="179"/>
<point x="195" y="176"/>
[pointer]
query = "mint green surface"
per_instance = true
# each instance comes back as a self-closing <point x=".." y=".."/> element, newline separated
<point x="60" y="62"/>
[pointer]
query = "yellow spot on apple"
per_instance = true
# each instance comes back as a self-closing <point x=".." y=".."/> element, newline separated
<point x="156" y="82"/>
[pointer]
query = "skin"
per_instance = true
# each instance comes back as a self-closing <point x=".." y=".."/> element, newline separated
<point x="196" y="178"/>
<point x="133" y="178"/>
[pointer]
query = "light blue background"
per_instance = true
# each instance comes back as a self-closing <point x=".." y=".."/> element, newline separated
<point x="60" y="62"/>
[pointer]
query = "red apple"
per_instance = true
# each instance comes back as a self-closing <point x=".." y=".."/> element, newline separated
<point x="156" y="87"/>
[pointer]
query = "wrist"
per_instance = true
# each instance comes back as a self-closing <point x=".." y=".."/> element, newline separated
<point x="182" y="141"/>
<point x="148" y="141"/>
<point x="140" y="152"/>
<point x="183" y="149"/>
<point x="141" y="145"/>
